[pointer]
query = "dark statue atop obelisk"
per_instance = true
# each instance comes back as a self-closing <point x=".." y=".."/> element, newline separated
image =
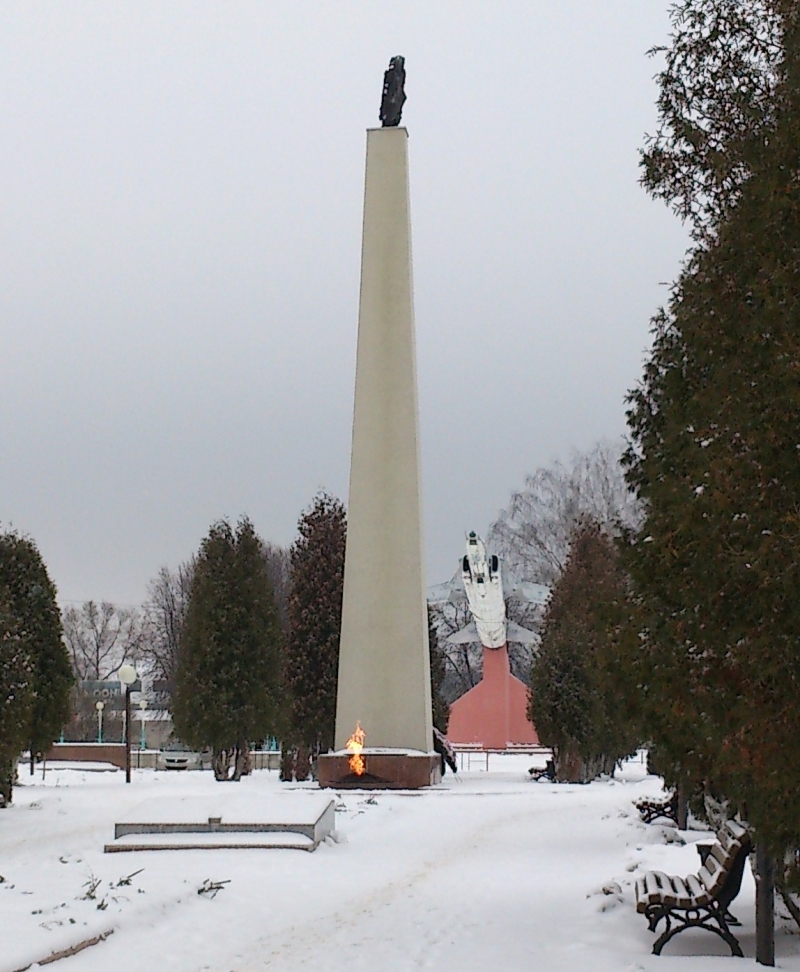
<point x="393" y="94"/>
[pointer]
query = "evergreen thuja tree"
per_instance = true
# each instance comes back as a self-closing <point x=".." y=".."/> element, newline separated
<point x="31" y="597"/>
<point x="573" y="700"/>
<point x="715" y="429"/>
<point x="716" y="105"/>
<point x="228" y="683"/>
<point x="315" y="620"/>
<point x="16" y="697"/>
<point x="714" y="454"/>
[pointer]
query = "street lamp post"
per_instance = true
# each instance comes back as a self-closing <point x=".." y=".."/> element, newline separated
<point x="100" y="705"/>
<point x="127" y="675"/>
<point x="142" y="707"/>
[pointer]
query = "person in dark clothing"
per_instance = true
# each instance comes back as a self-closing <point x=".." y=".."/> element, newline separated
<point x="441" y="745"/>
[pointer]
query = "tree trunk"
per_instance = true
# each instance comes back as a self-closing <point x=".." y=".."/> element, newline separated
<point x="569" y="766"/>
<point x="302" y="768"/>
<point x="682" y="805"/>
<point x="221" y="763"/>
<point x="287" y="764"/>
<point x="230" y="765"/>
<point x="247" y="765"/>
<point x="765" y="907"/>
<point x="242" y="765"/>
<point x="7" y="771"/>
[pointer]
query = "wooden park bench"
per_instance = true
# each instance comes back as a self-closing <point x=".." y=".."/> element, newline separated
<point x="652" y="810"/>
<point x="700" y="900"/>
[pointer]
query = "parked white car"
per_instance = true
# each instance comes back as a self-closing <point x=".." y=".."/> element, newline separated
<point x="176" y="756"/>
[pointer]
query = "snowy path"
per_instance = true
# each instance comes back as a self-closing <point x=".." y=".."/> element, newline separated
<point x="471" y="899"/>
<point x="488" y="872"/>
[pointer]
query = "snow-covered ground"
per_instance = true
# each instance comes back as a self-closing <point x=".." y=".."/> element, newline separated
<point x="488" y="872"/>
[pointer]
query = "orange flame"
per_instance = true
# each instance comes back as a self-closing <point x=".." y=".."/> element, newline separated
<point x="355" y="744"/>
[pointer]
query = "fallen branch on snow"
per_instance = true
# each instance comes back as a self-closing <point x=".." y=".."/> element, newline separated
<point x="67" y="952"/>
<point x="211" y="887"/>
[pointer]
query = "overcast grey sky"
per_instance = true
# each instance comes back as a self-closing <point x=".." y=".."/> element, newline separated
<point x="181" y="190"/>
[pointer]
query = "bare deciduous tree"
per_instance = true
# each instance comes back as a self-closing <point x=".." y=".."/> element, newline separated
<point x="164" y="615"/>
<point x="463" y="662"/>
<point x="279" y="569"/>
<point x="532" y="534"/>
<point x="101" y="638"/>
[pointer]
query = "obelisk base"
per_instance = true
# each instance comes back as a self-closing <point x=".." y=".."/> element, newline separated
<point x="383" y="770"/>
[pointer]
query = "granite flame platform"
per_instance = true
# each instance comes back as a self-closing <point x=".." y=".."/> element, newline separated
<point x="384" y="769"/>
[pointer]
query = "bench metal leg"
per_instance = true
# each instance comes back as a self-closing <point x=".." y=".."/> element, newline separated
<point x="710" y="918"/>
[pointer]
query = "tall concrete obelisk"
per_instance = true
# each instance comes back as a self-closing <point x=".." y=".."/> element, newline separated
<point x="384" y="676"/>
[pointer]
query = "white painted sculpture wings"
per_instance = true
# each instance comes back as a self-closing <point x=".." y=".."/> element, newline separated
<point x="483" y="588"/>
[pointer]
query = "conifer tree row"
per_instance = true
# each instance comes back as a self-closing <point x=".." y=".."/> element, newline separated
<point x="715" y="456"/>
